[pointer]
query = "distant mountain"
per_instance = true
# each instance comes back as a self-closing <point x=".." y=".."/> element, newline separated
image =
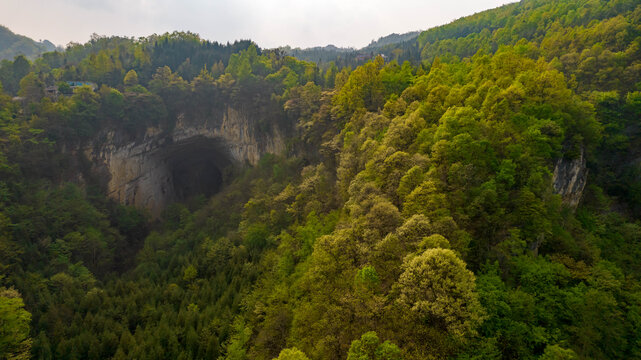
<point x="318" y="54"/>
<point x="324" y="54"/>
<point x="12" y="45"/>
<point x="392" y="39"/>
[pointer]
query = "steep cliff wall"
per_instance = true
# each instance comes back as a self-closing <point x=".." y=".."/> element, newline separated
<point x="168" y="165"/>
<point x="570" y="177"/>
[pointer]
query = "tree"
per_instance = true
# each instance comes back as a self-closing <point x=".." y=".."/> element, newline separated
<point x="292" y="354"/>
<point x="237" y="343"/>
<point x="438" y="288"/>
<point x="556" y="352"/>
<point x="171" y="88"/>
<point x="369" y="347"/>
<point x="112" y="104"/>
<point x="15" y="72"/>
<point x="32" y="88"/>
<point x="21" y="66"/>
<point x="190" y="273"/>
<point x="142" y="110"/>
<point x="164" y="78"/>
<point x="131" y="78"/>
<point x="64" y="88"/>
<point x="15" y="342"/>
<point x="413" y="178"/>
<point x="85" y="110"/>
<point x="363" y="90"/>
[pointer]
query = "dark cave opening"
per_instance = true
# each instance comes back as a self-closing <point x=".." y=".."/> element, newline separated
<point x="196" y="167"/>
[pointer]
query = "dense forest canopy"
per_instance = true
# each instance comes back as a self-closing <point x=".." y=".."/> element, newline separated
<point x="414" y="214"/>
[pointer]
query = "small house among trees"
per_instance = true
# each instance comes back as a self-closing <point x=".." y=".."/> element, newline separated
<point x="67" y="88"/>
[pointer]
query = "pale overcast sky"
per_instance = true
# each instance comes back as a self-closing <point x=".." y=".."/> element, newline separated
<point x="270" y="23"/>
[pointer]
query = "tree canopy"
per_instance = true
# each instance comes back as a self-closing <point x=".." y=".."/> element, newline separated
<point x="416" y="213"/>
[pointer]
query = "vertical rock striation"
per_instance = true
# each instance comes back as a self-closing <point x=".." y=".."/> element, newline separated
<point x="570" y="177"/>
<point x="165" y="166"/>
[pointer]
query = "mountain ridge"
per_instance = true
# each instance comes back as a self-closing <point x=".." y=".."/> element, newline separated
<point x="327" y="53"/>
<point x="472" y="193"/>
<point x="12" y="45"/>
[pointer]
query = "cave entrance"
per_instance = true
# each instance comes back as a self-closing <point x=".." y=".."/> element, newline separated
<point x="196" y="166"/>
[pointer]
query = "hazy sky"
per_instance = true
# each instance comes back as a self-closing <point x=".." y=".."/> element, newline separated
<point x="270" y="23"/>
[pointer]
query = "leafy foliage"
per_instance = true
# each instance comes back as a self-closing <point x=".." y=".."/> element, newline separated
<point x="14" y="327"/>
<point x="415" y="202"/>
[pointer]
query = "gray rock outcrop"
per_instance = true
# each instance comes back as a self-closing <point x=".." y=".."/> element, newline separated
<point x="570" y="177"/>
<point x="167" y="166"/>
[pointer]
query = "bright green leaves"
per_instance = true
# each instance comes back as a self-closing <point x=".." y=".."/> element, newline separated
<point x="363" y="91"/>
<point x="244" y="65"/>
<point x="369" y="347"/>
<point x="14" y="326"/>
<point x="412" y="178"/>
<point x="396" y="78"/>
<point x="556" y="352"/>
<point x="437" y="287"/>
<point x="190" y="273"/>
<point x="292" y="354"/>
<point x="238" y="340"/>
<point x="425" y="199"/>
<point x="368" y="277"/>
<point x="131" y="78"/>
<point x="400" y="173"/>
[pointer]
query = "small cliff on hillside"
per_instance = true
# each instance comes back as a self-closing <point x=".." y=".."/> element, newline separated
<point x="167" y="165"/>
<point x="570" y="177"/>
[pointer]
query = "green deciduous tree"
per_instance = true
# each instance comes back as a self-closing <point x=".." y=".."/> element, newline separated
<point x="369" y="347"/>
<point x="292" y="354"/>
<point x="15" y="342"/>
<point x="131" y="78"/>
<point x="438" y="288"/>
<point x="31" y="87"/>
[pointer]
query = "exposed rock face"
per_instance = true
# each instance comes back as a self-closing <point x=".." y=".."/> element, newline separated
<point x="168" y="166"/>
<point x="570" y="177"/>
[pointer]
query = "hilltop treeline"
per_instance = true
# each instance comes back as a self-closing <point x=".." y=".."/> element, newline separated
<point x="413" y="216"/>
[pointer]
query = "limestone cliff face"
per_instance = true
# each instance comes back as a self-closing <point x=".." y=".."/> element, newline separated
<point x="166" y="165"/>
<point x="570" y="177"/>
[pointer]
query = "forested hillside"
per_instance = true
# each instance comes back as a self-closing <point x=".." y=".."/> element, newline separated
<point x="12" y="45"/>
<point x="343" y="57"/>
<point x="416" y="214"/>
